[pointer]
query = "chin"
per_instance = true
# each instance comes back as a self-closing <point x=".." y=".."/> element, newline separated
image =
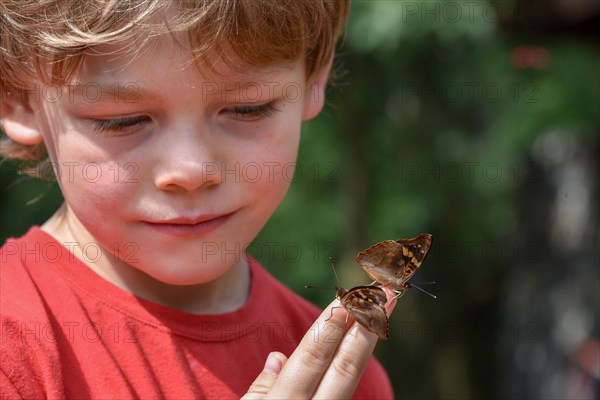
<point x="188" y="275"/>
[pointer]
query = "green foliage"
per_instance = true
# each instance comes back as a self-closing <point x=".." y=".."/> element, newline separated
<point x="430" y="132"/>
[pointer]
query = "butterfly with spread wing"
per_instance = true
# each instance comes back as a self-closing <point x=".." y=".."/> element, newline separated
<point x="393" y="262"/>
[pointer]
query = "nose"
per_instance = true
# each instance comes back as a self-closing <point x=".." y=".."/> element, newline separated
<point x="188" y="160"/>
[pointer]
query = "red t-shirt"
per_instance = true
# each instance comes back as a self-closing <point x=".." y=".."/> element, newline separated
<point x="68" y="333"/>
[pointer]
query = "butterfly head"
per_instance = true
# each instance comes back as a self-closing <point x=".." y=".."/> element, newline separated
<point x="340" y="292"/>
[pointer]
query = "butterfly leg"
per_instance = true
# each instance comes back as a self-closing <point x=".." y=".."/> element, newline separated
<point x="372" y="283"/>
<point x="331" y="315"/>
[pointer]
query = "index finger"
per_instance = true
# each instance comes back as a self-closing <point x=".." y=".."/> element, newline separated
<point x="307" y="364"/>
<point x="351" y="359"/>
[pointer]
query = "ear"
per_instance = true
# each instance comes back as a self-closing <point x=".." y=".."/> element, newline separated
<point x="315" y="96"/>
<point x="18" y="120"/>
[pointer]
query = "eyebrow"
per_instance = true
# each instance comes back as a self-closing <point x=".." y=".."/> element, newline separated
<point x="119" y="92"/>
<point x="131" y="92"/>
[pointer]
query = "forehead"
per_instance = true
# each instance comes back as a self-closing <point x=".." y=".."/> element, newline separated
<point x="165" y="57"/>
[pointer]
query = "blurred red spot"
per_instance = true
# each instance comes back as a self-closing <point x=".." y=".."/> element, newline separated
<point x="537" y="57"/>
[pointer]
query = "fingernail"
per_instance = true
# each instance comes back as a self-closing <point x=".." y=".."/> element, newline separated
<point x="273" y="364"/>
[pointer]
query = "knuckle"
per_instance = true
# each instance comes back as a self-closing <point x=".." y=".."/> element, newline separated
<point x="346" y="366"/>
<point x="315" y="357"/>
<point x="258" y="389"/>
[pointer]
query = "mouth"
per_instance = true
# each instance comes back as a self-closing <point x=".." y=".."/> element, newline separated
<point x="189" y="227"/>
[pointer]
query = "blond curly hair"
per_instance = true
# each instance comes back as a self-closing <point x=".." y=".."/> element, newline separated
<point x="47" y="40"/>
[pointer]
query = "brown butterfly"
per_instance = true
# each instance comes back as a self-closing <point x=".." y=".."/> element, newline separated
<point x="393" y="262"/>
<point x="367" y="305"/>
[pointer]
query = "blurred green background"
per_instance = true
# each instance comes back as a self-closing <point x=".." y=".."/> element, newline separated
<point x="477" y="122"/>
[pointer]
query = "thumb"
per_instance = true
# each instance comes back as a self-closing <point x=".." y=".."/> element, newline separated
<point x="264" y="382"/>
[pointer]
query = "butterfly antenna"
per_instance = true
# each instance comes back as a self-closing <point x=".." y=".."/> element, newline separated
<point x="423" y="290"/>
<point x="334" y="273"/>
<point x="316" y="287"/>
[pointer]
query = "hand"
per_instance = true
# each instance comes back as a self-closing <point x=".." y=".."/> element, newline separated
<point x="328" y="362"/>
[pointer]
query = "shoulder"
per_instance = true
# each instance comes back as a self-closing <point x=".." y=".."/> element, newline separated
<point x="28" y="352"/>
<point x="375" y="383"/>
<point x="23" y="268"/>
<point x="279" y="299"/>
<point x="277" y="294"/>
<point x="29" y="359"/>
<point x="16" y="281"/>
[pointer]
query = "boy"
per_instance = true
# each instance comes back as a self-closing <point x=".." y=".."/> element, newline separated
<point x="148" y="113"/>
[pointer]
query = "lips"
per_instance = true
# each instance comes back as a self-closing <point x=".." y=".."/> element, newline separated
<point x="190" y="226"/>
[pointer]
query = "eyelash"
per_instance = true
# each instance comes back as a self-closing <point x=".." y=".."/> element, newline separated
<point x="254" y="112"/>
<point x="118" y="124"/>
<point x="247" y="112"/>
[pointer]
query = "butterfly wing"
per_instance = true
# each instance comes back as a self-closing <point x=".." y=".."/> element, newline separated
<point x="367" y="305"/>
<point x="393" y="262"/>
<point x="416" y="250"/>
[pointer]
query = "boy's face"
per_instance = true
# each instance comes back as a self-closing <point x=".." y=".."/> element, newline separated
<point x="172" y="167"/>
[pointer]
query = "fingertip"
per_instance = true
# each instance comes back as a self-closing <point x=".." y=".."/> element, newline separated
<point x="275" y="362"/>
<point x="392" y="299"/>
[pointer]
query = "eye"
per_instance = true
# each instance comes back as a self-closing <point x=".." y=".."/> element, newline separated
<point x="252" y="112"/>
<point x="118" y="125"/>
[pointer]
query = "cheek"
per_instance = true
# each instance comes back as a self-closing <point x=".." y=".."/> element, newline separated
<point x="267" y="165"/>
<point x="95" y="188"/>
<point x="273" y="164"/>
<point x="93" y="182"/>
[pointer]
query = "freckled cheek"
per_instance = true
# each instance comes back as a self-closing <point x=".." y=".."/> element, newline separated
<point x="274" y="168"/>
<point x="95" y="191"/>
<point x="277" y="155"/>
<point x="266" y="169"/>
<point x="270" y="169"/>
